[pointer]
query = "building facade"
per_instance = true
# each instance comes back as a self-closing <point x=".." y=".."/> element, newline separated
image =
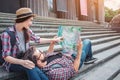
<point x="90" y="10"/>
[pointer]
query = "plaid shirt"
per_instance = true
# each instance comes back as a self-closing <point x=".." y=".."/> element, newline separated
<point x="63" y="73"/>
<point x="7" y="45"/>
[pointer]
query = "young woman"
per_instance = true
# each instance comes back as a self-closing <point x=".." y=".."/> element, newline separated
<point x="56" y="65"/>
<point x="23" y="35"/>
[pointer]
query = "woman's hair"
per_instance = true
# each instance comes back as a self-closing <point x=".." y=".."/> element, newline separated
<point x="29" y="55"/>
<point x="26" y="35"/>
<point x="26" y="31"/>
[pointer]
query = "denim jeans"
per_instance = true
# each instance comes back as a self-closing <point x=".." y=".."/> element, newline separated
<point x="33" y="74"/>
<point x="86" y="51"/>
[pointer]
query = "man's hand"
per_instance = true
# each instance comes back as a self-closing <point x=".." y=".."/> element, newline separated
<point x="76" y="63"/>
<point x="79" y="46"/>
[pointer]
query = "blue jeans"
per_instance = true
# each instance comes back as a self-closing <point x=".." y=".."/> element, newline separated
<point x="86" y="51"/>
<point x="33" y="74"/>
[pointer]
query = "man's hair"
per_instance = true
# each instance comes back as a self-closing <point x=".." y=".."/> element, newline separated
<point x="29" y="55"/>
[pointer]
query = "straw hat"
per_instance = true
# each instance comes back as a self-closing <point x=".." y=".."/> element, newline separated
<point x="24" y="12"/>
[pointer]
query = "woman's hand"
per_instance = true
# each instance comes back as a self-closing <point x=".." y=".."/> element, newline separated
<point x="56" y="39"/>
<point x="27" y="64"/>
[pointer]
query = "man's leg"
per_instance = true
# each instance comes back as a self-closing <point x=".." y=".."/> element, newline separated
<point x="87" y="56"/>
<point x="86" y="51"/>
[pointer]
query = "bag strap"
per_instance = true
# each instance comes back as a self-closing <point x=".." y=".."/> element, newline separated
<point x="12" y="37"/>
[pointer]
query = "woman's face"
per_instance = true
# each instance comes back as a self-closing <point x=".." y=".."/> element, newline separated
<point x="28" y="23"/>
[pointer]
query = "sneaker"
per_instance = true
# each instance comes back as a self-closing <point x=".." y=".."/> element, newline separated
<point x="90" y="61"/>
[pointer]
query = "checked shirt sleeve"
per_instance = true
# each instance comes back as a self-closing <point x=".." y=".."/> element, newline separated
<point x="34" y="37"/>
<point x="6" y="44"/>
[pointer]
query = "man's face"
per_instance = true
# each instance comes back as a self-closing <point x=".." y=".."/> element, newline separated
<point x="39" y="55"/>
<point x="41" y="62"/>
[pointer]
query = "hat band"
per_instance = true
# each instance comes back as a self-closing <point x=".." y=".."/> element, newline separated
<point x="24" y="15"/>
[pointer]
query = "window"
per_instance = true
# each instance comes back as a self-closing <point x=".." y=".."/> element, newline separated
<point x="50" y="5"/>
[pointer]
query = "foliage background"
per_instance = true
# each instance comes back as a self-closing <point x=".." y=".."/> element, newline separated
<point x="110" y="13"/>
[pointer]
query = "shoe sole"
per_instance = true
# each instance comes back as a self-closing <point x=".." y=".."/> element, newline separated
<point x="90" y="62"/>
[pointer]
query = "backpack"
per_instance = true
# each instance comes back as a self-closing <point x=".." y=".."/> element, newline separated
<point x="12" y="41"/>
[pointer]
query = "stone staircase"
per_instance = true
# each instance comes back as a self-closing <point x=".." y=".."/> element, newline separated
<point x="105" y="45"/>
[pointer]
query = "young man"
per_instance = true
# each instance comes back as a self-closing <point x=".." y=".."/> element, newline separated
<point x="56" y="65"/>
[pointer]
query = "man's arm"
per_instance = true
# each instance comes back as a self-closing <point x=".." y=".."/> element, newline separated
<point x="76" y="63"/>
<point x="51" y="47"/>
<point x="52" y="43"/>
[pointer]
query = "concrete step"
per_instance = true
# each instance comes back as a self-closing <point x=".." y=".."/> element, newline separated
<point x="6" y="21"/>
<point x="99" y="36"/>
<point x="117" y="77"/>
<point x="69" y="23"/>
<point x="82" y="33"/>
<point x="47" y="27"/>
<point x="50" y="22"/>
<point x="97" y="32"/>
<point x="55" y="27"/>
<point x="101" y="29"/>
<point x="48" y="19"/>
<point x="104" y="40"/>
<point x="4" y="14"/>
<point x="41" y="18"/>
<point x="94" y="42"/>
<point x="105" y="46"/>
<point x="5" y="17"/>
<point x="88" y="36"/>
<point x="102" y="71"/>
<point x="84" y="29"/>
<point x="4" y="75"/>
<point x="52" y="25"/>
<point x="38" y="30"/>
<point x="44" y="32"/>
<point x="96" y="48"/>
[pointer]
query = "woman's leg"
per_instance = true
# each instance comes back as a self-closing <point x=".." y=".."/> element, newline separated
<point x="33" y="74"/>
